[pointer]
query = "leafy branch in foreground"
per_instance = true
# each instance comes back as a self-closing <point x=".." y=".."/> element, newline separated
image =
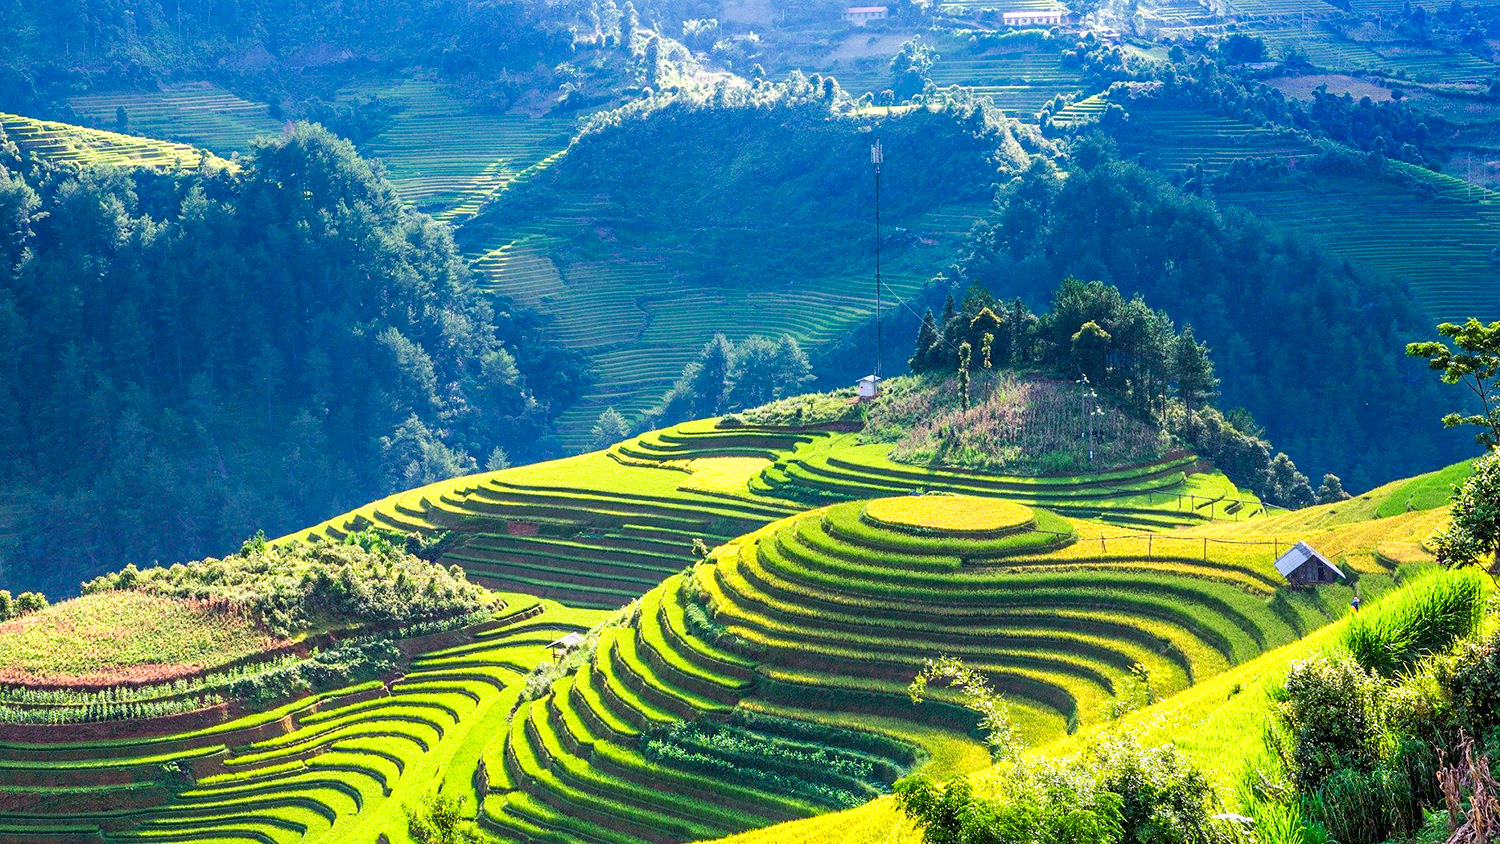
<point x="1475" y="364"/>
<point x="1474" y="533"/>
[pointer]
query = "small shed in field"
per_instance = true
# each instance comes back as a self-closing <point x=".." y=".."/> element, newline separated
<point x="868" y="387"/>
<point x="560" y="647"/>
<point x="1302" y="565"/>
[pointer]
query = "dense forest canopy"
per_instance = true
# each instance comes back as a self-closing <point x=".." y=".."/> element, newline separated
<point x="190" y="358"/>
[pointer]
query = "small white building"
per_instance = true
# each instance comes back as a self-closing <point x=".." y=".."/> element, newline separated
<point x="1037" y="17"/>
<point x="860" y="15"/>
<point x="561" y="646"/>
<point x="868" y="387"/>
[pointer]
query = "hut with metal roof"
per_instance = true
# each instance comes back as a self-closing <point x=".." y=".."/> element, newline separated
<point x="1302" y="565"/>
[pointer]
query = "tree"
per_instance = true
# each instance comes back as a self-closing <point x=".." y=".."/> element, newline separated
<point x="1088" y="349"/>
<point x="754" y="372"/>
<point x="708" y="384"/>
<point x="1288" y="486"/>
<point x="1331" y="490"/>
<point x="911" y="68"/>
<point x="1475" y="364"/>
<point x="1193" y="370"/>
<point x="608" y="430"/>
<point x="1474" y="534"/>
<point x="415" y="456"/>
<point x="965" y="353"/>
<point x="439" y="820"/>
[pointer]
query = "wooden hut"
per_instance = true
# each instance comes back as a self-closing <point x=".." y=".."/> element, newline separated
<point x="1302" y="565"/>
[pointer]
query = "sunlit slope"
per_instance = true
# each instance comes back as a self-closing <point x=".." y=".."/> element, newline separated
<point x="835" y="610"/>
<point x="334" y="767"/>
<point x="64" y="143"/>
<point x="1217" y="721"/>
<point x="600" y="529"/>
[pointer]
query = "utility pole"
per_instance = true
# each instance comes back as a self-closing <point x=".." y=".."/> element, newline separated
<point x="877" y="157"/>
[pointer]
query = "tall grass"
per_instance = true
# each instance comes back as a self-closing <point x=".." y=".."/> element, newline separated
<point x="1425" y="617"/>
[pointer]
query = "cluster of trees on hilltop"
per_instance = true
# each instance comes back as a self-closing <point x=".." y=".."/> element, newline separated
<point x="1127" y="349"/>
<point x="189" y="358"/>
<point x="1313" y="351"/>
<point x="793" y="193"/>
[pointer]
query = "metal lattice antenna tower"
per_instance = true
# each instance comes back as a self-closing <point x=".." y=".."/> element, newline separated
<point x="877" y="157"/>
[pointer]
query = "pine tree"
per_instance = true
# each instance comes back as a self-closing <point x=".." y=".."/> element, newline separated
<point x="1193" y="370"/>
<point x="927" y="339"/>
<point x="608" y="430"/>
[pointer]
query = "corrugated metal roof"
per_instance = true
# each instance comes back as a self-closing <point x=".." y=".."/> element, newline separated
<point x="1299" y="554"/>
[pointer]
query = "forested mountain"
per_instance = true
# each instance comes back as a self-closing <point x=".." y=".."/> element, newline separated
<point x="190" y="358"/>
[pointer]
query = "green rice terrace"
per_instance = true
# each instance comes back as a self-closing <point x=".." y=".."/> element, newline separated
<point x="758" y="682"/>
<point x="68" y="144"/>
<point x="201" y="114"/>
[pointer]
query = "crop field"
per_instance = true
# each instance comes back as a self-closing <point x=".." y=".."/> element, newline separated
<point x="1017" y="83"/>
<point x="1081" y="113"/>
<point x="1431" y="230"/>
<point x="337" y="766"/>
<point x="640" y="326"/>
<point x="64" y="143"/>
<point x="201" y="114"/>
<point x="1171" y="139"/>
<point x="835" y="610"/>
<point x="445" y="157"/>
<point x="102" y="639"/>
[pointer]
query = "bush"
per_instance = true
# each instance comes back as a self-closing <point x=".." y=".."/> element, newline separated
<point x="1330" y="719"/>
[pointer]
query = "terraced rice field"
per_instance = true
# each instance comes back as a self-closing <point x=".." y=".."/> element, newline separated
<point x="640" y="325"/>
<point x="64" y="143"/>
<point x="1171" y="139"/>
<point x="1431" y="230"/>
<point x="200" y="113"/>
<point x="1279" y="8"/>
<point x="1323" y="49"/>
<point x="447" y="159"/>
<point x="1018" y="83"/>
<point x="599" y="530"/>
<point x="1081" y="113"/>
<point x="334" y="767"/>
<point x="832" y="611"/>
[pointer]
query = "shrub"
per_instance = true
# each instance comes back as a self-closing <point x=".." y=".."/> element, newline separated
<point x="1039" y="803"/>
<point x="1473" y="683"/>
<point x="1164" y="800"/>
<point x="1425" y="617"/>
<point x="1330" y="719"/>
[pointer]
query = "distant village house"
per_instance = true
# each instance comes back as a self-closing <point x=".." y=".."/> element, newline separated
<point x="1037" y="17"/>
<point x="868" y="387"/>
<point x="1304" y="566"/>
<point x="859" y="15"/>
